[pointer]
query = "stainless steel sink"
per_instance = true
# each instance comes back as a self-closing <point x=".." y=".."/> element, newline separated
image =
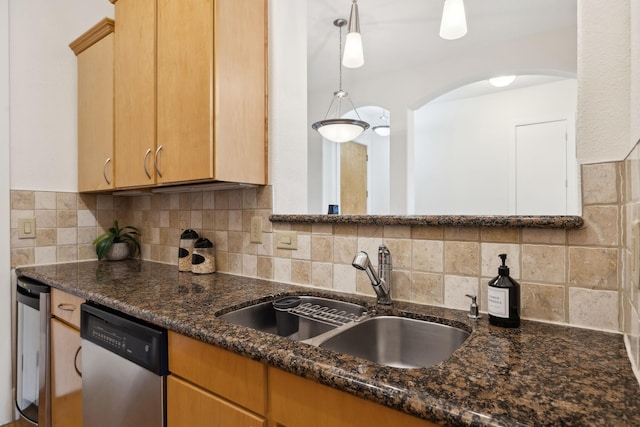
<point x="398" y="341"/>
<point x="312" y="317"/>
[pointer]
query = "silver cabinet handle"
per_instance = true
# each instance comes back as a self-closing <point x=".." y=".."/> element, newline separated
<point x="144" y="163"/>
<point x="155" y="161"/>
<point x="104" y="171"/>
<point x="66" y="307"/>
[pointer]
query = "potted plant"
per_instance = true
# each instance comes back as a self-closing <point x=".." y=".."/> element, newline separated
<point x="118" y="243"/>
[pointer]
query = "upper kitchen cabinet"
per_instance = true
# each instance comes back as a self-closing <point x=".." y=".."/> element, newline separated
<point x="135" y="92"/>
<point x="198" y="112"/>
<point x="94" y="50"/>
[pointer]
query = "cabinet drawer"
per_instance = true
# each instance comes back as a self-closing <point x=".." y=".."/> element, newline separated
<point x="188" y="405"/>
<point x="66" y="307"/>
<point x="234" y="377"/>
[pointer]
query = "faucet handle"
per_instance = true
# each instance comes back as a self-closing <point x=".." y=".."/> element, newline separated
<point x="473" y="309"/>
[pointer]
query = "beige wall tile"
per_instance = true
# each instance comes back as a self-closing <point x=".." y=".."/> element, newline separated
<point x="46" y="237"/>
<point x="265" y="267"/>
<point x="427" y="288"/>
<point x="235" y="220"/>
<point x="85" y="202"/>
<point x="400" y="253"/>
<point x="46" y="255"/>
<point x="300" y="228"/>
<point x="593" y="268"/>
<point x="396" y="231"/>
<point x="544" y="236"/>
<point x="344" y="278"/>
<point x="67" y="253"/>
<point x="344" y="249"/>
<point x="543" y="264"/>
<point x="401" y="285"/>
<point x="282" y="269"/>
<point x="542" y="302"/>
<point x="322" y="229"/>
<point x="208" y="200"/>
<point x="208" y="220"/>
<point x="264" y="197"/>
<point x="249" y="265"/>
<point x="86" y="235"/>
<point x="17" y="214"/>
<point x="321" y="248"/>
<point x="599" y="183"/>
<point x="304" y="247"/>
<point x="195" y="221"/>
<point x="235" y="199"/>
<point x="461" y="233"/>
<point x="429" y="233"/>
<point x="22" y="256"/>
<point x="301" y="272"/>
<point x="490" y="261"/>
<point x="322" y="274"/>
<point x="222" y="261"/>
<point x="67" y="218"/>
<point x="428" y="255"/>
<point x="46" y="218"/>
<point x="196" y="200"/>
<point x="17" y="242"/>
<point x="456" y="288"/>
<point x="506" y="235"/>
<point x="370" y="231"/>
<point x="221" y="199"/>
<point x="45" y="200"/>
<point x="23" y="200"/>
<point x="249" y="198"/>
<point x="86" y="218"/>
<point x="594" y="309"/>
<point x="461" y="258"/>
<point x="600" y="227"/>
<point x="345" y="230"/>
<point x="363" y="284"/>
<point x="266" y="247"/>
<point x="222" y="220"/>
<point x="69" y="201"/>
<point x="234" y="263"/>
<point x="86" y="253"/>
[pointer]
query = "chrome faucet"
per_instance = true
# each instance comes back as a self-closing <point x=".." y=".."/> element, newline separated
<point x="381" y="282"/>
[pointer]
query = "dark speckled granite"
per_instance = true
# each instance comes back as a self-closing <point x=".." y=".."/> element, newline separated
<point x="536" y="375"/>
<point x="519" y="221"/>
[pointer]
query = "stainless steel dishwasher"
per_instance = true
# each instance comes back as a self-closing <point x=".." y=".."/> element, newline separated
<point x="124" y="368"/>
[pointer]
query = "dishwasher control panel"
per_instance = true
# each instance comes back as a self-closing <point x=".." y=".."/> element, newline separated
<point x="133" y="339"/>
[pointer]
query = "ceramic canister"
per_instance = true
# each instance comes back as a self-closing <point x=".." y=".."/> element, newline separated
<point x="187" y="240"/>
<point x="203" y="260"/>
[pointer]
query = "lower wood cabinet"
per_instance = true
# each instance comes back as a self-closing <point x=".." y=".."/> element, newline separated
<point x="66" y="381"/>
<point x="295" y="401"/>
<point x="209" y="386"/>
<point x="189" y="405"/>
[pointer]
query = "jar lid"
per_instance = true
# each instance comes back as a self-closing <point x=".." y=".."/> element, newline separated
<point x="203" y="243"/>
<point x="189" y="234"/>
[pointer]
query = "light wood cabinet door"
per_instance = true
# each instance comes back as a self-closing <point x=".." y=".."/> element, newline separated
<point x="295" y="401"/>
<point x="66" y="382"/>
<point x="135" y="92"/>
<point x="188" y="405"/>
<point x="94" y="50"/>
<point x="66" y="307"/>
<point x="211" y="93"/>
<point x="227" y="374"/>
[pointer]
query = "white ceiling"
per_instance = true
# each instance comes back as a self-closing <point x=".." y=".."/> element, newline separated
<point x="404" y="33"/>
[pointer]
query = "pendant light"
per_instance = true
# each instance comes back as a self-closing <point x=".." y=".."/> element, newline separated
<point x="454" y="22"/>
<point x="384" y="129"/>
<point x="353" y="53"/>
<point x="502" y="81"/>
<point x="338" y="129"/>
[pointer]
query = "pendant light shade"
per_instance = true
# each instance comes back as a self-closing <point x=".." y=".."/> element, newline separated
<point x="383" y="129"/>
<point x="353" y="52"/>
<point x="502" y="81"/>
<point x="334" y="127"/>
<point x="454" y="22"/>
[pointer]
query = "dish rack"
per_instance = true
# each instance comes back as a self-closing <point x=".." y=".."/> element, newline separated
<point x="323" y="314"/>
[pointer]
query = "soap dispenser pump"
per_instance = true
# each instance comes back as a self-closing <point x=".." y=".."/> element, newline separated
<point x="504" y="298"/>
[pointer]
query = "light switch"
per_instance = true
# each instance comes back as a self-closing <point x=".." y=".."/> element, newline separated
<point x="26" y="228"/>
<point x="256" y="229"/>
<point x="287" y="240"/>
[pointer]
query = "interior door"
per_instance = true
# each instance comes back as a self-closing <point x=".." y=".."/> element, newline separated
<point x="353" y="179"/>
<point x="541" y="168"/>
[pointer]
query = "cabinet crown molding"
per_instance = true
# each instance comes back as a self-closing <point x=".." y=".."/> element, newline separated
<point x="92" y="36"/>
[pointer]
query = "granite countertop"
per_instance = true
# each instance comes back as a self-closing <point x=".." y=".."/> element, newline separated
<point x="538" y="374"/>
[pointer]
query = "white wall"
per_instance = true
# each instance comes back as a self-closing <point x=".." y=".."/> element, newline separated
<point x="6" y="395"/>
<point x="604" y="81"/>
<point x="548" y="53"/>
<point x="462" y="147"/>
<point x="38" y="123"/>
<point x="43" y="89"/>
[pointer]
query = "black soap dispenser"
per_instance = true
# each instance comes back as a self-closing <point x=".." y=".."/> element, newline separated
<point x="504" y="298"/>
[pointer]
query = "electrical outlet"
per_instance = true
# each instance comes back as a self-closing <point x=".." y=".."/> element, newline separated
<point x="256" y="229"/>
<point x="287" y="240"/>
<point x="26" y="228"/>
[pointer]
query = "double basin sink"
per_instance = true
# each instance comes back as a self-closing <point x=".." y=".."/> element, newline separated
<point x="347" y="328"/>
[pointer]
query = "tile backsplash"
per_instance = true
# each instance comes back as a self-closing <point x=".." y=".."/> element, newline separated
<point x="567" y="276"/>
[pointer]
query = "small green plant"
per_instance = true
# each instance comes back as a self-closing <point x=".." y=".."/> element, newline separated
<point x="115" y="234"/>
